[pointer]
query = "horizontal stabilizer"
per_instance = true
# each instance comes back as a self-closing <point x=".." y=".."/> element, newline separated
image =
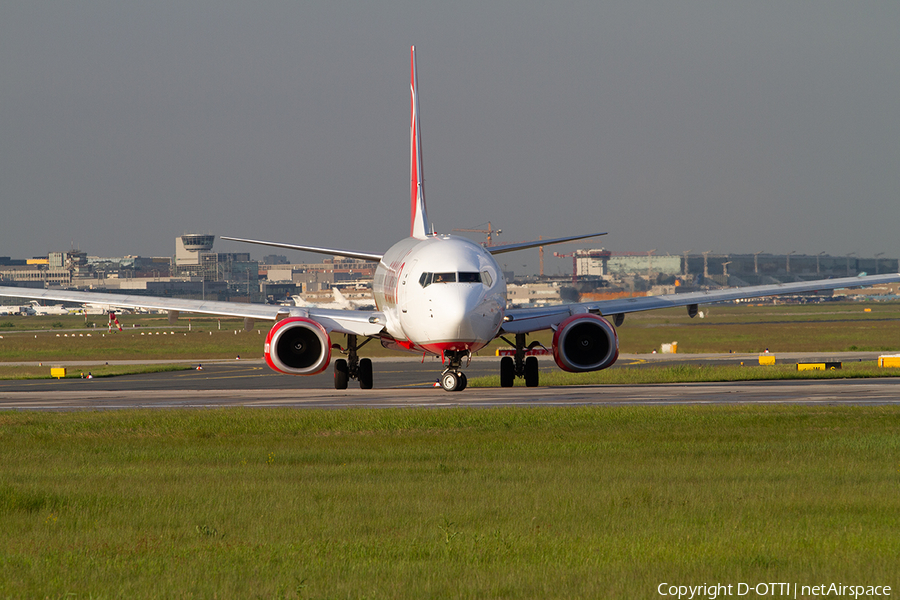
<point x="348" y="253"/>
<point x="536" y="243"/>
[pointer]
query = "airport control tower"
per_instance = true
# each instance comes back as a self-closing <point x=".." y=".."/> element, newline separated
<point x="190" y="247"/>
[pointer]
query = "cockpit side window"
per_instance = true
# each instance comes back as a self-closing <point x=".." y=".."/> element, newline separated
<point x="486" y="279"/>
<point x="425" y="279"/>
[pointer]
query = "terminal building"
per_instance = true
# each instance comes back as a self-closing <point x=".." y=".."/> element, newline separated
<point x="313" y="281"/>
<point x="194" y="272"/>
<point x="713" y="269"/>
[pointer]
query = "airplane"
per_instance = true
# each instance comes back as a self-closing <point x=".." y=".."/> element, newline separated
<point x="443" y="295"/>
<point x="56" y="309"/>
<point x="340" y="301"/>
<point x="93" y="308"/>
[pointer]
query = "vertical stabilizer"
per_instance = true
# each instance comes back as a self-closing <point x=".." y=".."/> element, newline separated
<point x="418" y="217"/>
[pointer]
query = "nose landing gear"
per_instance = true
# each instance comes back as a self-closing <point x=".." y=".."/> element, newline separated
<point x="452" y="379"/>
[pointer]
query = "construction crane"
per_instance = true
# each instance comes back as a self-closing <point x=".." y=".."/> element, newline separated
<point x="541" y="250"/>
<point x="490" y="232"/>
<point x="574" y="256"/>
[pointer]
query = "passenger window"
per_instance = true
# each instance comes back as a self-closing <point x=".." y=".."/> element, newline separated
<point x="469" y="277"/>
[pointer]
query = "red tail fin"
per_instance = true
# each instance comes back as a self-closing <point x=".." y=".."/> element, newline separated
<point x="418" y="218"/>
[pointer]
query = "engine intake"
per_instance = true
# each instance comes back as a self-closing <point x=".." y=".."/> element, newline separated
<point x="585" y="343"/>
<point x="298" y="346"/>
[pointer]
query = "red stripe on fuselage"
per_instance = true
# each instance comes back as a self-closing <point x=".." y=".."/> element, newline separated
<point x="441" y="347"/>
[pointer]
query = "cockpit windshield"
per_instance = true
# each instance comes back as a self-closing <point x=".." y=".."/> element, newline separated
<point x="427" y="279"/>
<point x="444" y="278"/>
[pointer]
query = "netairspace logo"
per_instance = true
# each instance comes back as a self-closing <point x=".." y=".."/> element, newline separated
<point x="780" y="589"/>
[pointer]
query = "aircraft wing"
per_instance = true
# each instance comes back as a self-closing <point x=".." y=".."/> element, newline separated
<point x="358" y="322"/>
<point x="524" y="320"/>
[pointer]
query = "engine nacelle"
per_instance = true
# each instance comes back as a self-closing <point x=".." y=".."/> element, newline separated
<point x="585" y="343"/>
<point x="298" y="346"/>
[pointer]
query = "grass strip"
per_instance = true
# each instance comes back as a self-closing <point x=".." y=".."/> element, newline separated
<point x="76" y="371"/>
<point x="494" y="503"/>
<point x="827" y="327"/>
<point x="686" y="373"/>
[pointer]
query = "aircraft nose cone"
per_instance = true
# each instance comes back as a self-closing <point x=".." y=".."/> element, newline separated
<point x="450" y="316"/>
<point x="465" y="316"/>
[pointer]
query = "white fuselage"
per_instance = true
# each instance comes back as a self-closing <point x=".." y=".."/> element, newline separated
<point x="440" y="294"/>
<point x="56" y="309"/>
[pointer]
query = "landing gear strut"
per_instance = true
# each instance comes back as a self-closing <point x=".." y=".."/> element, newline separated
<point x="353" y="367"/>
<point x="521" y="366"/>
<point x="452" y="379"/>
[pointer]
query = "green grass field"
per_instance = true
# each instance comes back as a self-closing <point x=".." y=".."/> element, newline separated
<point x="687" y="373"/>
<point x="830" y="327"/>
<point x="68" y="338"/>
<point x="76" y="372"/>
<point x="496" y="503"/>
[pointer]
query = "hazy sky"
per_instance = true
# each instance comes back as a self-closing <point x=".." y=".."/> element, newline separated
<point x="722" y="126"/>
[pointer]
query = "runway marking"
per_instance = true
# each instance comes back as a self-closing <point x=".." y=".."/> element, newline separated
<point x="816" y="394"/>
<point x="247" y="376"/>
<point x="626" y="362"/>
<point x="193" y="373"/>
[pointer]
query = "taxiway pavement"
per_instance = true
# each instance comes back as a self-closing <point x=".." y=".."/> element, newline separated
<point x="404" y="383"/>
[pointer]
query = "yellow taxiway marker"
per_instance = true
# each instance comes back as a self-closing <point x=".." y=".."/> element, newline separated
<point x="825" y="366"/>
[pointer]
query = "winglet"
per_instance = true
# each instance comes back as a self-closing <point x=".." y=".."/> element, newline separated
<point x="418" y="218"/>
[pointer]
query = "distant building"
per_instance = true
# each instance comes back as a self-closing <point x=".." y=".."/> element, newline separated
<point x="323" y="275"/>
<point x="534" y="294"/>
<point x="36" y="273"/>
<point x="194" y="259"/>
<point x="6" y="261"/>
<point x="603" y="263"/>
<point x="274" y="259"/>
<point x="723" y="269"/>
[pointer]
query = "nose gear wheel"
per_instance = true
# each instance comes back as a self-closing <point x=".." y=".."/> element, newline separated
<point x="452" y="379"/>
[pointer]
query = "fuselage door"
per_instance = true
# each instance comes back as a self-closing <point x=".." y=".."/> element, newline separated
<point x="404" y="291"/>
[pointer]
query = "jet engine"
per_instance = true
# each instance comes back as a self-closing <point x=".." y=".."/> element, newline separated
<point x="298" y="346"/>
<point x="585" y="343"/>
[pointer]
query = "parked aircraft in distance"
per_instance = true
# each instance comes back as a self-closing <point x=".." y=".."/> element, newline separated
<point x="56" y="309"/>
<point x="340" y="301"/>
<point x="94" y="308"/>
<point x="442" y="295"/>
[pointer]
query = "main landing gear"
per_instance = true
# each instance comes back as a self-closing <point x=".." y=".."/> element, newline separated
<point x="452" y="379"/>
<point x="521" y="365"/>
<point x="353" y="367"/>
